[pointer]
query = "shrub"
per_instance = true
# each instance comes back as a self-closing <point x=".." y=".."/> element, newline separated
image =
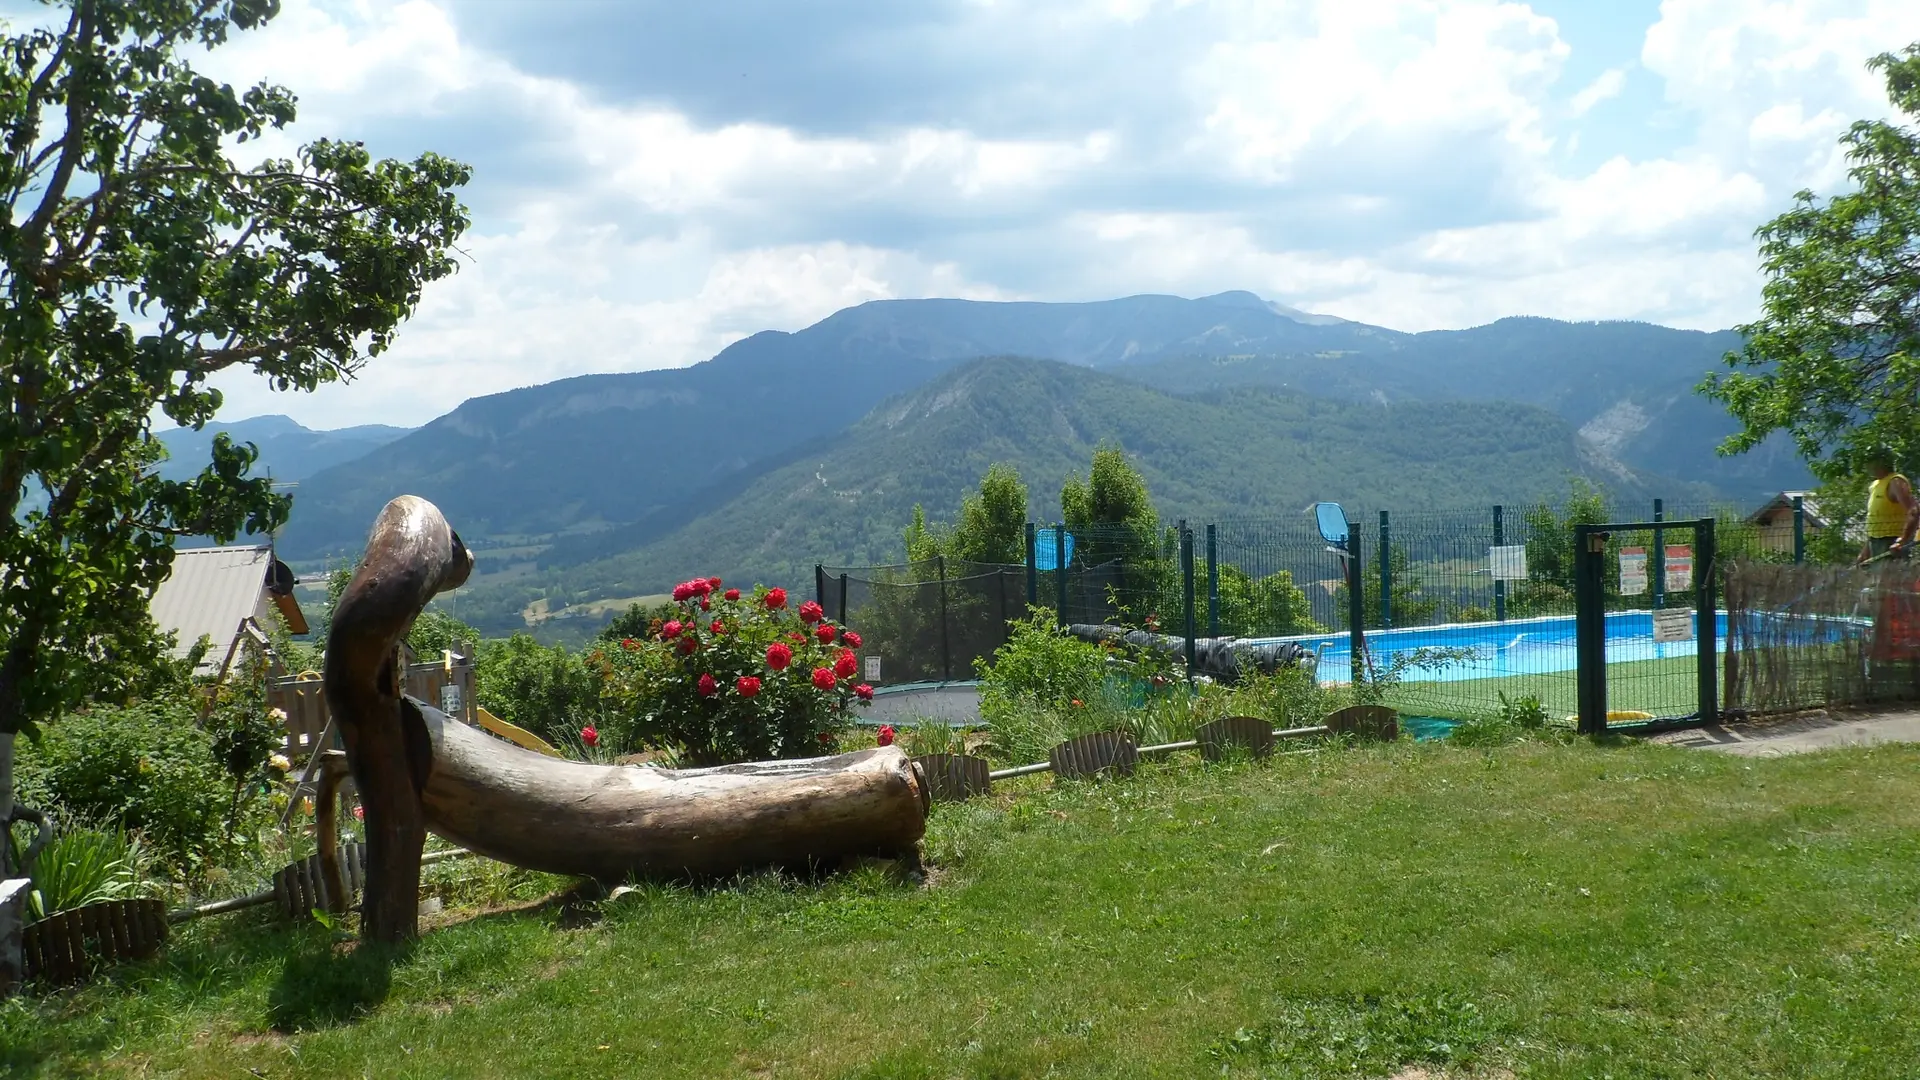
<point x="543" y="689"/>
<point x="1040" y="664"/>
<point x="732" y="677"/>
<point x="147" y="768"/>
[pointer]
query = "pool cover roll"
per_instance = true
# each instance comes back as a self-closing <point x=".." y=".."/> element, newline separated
<point x="1225" y="659"/>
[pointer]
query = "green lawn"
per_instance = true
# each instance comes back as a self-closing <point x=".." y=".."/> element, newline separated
<point x="1662" y="687"/>
<point x="1542" y="909"/>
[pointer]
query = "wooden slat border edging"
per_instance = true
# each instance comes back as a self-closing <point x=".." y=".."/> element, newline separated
<point x="1090" y="755"/>
<point x="1251" y="732"/>
<point x="67" y="947"/>
<point x="1365" y="722"/>
<point x="300" y="888"/>
<point x="953" y="777"/>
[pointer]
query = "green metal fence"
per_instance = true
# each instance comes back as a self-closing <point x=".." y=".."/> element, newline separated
<point x="1462" y="613"/>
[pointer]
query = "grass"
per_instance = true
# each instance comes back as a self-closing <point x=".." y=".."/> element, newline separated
<point x="1662" y="687"/>
<point x="1544" y="909"/>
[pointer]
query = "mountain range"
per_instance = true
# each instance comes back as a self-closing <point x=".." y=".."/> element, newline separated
<point x="1248" y="453"/>
<point x="288" y="450"/>
<point x="614" y="485"/>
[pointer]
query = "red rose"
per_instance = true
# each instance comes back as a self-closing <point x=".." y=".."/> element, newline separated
<point x="707" y="686"/>
<point x="826" y="738"/>
<point x="852" y="639"/>
<point x="824" y="634"/>
<point x="706" y="604"/>
<point x="359" y="813"/>
<point x="682" y="592"/>
<point x="718" y="627"/>
<point x="670" y="629"/>
<point x="713" y="583"/>
<point x="747" y="685"/>
<point x="629" y="644"/>
<point x="688" y="645"/>
<point x="823" y="678"/>
<point x="885" y="738"/>
<point x="732" y="594"/>
<point x="845" y="665"/>
<point x="797" y="638"/>
<point x="863" y="692"/>
<point x="779" y="656"/>
<point x="590" y="735"/>
<point x="776" y="599"/>
<point x="811" y="612"/>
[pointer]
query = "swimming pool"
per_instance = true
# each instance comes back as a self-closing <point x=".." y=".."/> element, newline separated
<point x="1536" y="646"/>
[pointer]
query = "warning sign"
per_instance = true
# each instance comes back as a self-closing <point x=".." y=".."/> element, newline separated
<point x="1679" y="567"/>
<point x="872" y="665"/>
<point x="1633" y="571"/>
<point x="1508" y="562"/>
<point x="1674" y="624"/>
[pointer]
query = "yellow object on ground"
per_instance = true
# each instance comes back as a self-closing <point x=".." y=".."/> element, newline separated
<point x="1618" y="714"/>
<point x="513" y="734"/>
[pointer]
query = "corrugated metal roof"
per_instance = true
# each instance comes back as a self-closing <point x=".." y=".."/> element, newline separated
<point x="211" y="591"/>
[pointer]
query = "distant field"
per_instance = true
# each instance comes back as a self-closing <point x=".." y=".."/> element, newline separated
<point x="540" y="611"/>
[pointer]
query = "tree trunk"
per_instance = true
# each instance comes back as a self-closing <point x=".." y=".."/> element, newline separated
<point x="411" y="555"/>
<point x="6" y="804"/>
<point x="611" y="822"/>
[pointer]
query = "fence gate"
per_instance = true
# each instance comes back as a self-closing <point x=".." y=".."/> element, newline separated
<point x="1646" y="624"/>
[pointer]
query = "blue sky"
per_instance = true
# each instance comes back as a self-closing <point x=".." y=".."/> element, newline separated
<point x="654" y="180"/>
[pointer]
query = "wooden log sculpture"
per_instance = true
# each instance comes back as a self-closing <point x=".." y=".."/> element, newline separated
<point x="412" y="555"/>
<point x="419" y="770"/>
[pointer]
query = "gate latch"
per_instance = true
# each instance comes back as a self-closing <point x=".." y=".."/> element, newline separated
<point x="1597" y="543"/>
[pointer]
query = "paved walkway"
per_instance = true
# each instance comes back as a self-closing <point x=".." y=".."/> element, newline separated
<point x="1818" y="730"/>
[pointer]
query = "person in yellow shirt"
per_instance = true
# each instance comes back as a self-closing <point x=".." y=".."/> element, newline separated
<point x="1892" y="512"/>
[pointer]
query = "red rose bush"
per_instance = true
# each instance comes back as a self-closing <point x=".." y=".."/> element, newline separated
<point x="734" y="676"/>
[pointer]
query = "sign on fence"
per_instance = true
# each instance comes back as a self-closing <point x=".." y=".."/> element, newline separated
<point x="1633" y="571"/>
<point x="1672" y="624"/>
<point x="1044" y="552"/>
<point x="1679" y="567"/>
<point x="1509" y="562"/>
<point x="872" y="669"/>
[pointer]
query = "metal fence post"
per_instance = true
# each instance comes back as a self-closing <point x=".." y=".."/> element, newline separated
<point x="1386" y="574"/>
<point x="842" y="613"/>
<point x="1060" y="572"/>
<point x="1186" y="589"/>
<point x="1499" y="540"/>
<point x="1356" y="608"/>
<point x="946" y="648"/>
<point x="1033" y="571"/>
<point x="1213" y="584"/>
<point x="1590" y="630"/>
<point x="819" y="584"/>
<point x="1799" y="528"/>
<point x="1659" y="554"/>
<point x="1707" y="639"/>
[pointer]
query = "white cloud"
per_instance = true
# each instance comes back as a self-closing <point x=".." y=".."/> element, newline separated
<point x="1403" y="162"/>
<point x="1607" y="86"/>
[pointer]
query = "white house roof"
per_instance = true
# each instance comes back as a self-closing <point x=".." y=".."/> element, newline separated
<point x="211" y="592"/>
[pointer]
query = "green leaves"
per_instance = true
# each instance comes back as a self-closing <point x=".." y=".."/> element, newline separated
<point x="137" y="260"/>
<point x="1834" y="359"/>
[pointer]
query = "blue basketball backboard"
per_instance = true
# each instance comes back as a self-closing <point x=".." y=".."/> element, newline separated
<point x="1332" y="521"/>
